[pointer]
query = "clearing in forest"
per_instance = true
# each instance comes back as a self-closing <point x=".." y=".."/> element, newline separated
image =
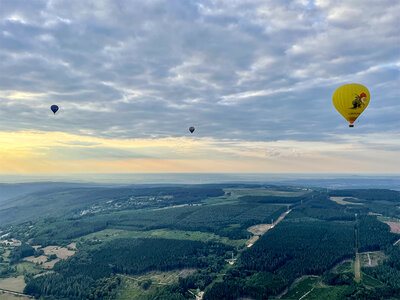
<point x="339" y="200"/>
<point x="357" y="269"/>
<point x="371" y="259"/>
<point x="72" y="246"/>
<point x="239" y="192"/>
<point x="394" y="226"/>
<point x="50" y="264"/>
<point x="259" y="229"/>
<point x="393" y="223"/>
<point x="61" y="252"/>
<point x="132" y="286"/>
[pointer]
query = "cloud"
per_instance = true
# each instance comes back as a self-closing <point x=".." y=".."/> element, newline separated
<point x="252" y="71"/>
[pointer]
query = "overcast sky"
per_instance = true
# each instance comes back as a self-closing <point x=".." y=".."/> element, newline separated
<point x="255" y="78"/>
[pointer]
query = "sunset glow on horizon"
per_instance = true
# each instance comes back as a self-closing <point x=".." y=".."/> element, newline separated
<point x="36" y="152"/>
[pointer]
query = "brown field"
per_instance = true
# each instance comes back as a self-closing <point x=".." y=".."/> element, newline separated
<point x="259" y="229"/>
<point x="394" y="226"/>
<point x="16" y="284"/>
<point x="72" y="246"/>
<point x="252" y="240"/>
<point x="39" y="259"/>
<point x="339" y="200"/>
<point x="50" y="264"/>
<point x="61" y="252"/>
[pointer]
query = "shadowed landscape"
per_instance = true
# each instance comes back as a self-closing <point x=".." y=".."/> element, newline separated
<point x="213" y="241"/>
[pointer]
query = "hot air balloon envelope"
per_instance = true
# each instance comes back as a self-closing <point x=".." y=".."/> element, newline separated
<point x="54" y="108"/>
<point x="351" y="100"/>
<point x="191" y="129"/>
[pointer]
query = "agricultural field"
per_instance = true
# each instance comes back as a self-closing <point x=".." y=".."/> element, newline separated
<point x="236" y="193"/>
<point x="16" y="284"/>
<point x="60" y="252"/>
<point x="341" y="201"/>
<point x="232" y="195"/>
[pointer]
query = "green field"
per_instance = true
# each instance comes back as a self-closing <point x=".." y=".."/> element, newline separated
<point x="300" y="288"/>
<point x="110" y="234"/>
<point x="130" y="285"/>
<point x="239" y="192"/>
<point x="370" y="281"/>
<point x="28" y="267"/>
<point x="344" y="267"/>
<point x="233" y="194"/>
<point x="329" y="292"/>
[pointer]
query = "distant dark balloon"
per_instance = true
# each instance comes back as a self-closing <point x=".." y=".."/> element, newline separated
<point x="54" y="108"/>
<point x="191" y="129"/>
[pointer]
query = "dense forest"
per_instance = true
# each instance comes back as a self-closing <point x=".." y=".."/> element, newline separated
<point x="75" y="275"/>
<point x="374" y="235"/>
<point x="307" y="248"/>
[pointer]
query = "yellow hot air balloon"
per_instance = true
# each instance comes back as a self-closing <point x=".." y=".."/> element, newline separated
<point x="350" y="100"/>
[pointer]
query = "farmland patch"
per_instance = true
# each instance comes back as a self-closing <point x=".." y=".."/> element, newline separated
<point x="16" y="284"/>
<point x="340" y="200"/>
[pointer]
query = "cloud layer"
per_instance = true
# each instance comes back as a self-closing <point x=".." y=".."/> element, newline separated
<point x="240" y="71"/>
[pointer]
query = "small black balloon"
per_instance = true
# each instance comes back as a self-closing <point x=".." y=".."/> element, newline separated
<point x="191" y="129"/>
<point x="54" y="108"/>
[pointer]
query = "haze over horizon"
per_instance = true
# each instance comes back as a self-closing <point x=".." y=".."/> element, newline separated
<point x="255" y="78"/>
